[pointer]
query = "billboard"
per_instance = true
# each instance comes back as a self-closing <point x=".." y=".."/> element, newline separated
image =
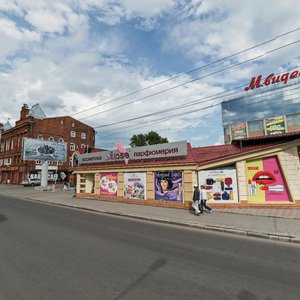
<point x="239" y="131"/>
<point x="34" y="149"/>
<point x="221" y="185"/>
<point x="109" y="184"/>
<point x="168" y="185"/>
<point x="135" y="185"/>
<point x="265" y="181"/>
<point x="275" y="125"/>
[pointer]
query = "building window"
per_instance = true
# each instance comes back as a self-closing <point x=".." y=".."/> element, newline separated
<point x="61" y="140"/>
<point x="292" y="120"/>
<point x="73" y="134"/>
<point x="73" y="124"/>
<point x="83" y="136"/>
<point x="38" y="162"/>
<point x="39" y="137"/>
<point x="226" y="130"/>
<point x="51" y="138"/>
<point x="7" y="146"/>
<point x="82" y="145"/>
<point x="72" y="146"/>
<point x="62" y="122"/>
<point x="255" y="126"/>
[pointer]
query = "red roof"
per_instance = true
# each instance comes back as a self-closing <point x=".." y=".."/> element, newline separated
<point x="199" y="155"/>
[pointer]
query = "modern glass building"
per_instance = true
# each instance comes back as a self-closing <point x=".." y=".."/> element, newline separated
<point x="252" y="112"/>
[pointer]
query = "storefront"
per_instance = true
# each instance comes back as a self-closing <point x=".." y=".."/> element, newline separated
<point x="255" y="172"/>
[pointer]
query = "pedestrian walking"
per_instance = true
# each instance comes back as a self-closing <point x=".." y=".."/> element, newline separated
<point x="196" y="201"/>
<point x="203" y="199"/>
<point x="65" y="185"/>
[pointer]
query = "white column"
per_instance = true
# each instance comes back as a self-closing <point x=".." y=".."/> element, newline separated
<point x="44" y="181"/>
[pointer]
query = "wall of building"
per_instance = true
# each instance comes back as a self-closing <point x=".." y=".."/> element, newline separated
<point x="288" y="163"/>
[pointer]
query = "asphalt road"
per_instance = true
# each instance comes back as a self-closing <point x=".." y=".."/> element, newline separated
<point x="50" y="252"/>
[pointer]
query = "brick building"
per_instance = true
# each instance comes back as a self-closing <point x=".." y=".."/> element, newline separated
<point x="33" y="123"/>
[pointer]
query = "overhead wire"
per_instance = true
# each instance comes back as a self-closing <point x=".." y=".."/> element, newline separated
<point x="188" y="72"/>
<point x="215" y="97"/>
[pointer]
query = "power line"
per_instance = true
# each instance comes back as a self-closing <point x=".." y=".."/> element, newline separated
<point x="170" y="117"/>
<point x="193" y="80"/>
<point x="197" y="101"/>
<point x="191" y="71"/>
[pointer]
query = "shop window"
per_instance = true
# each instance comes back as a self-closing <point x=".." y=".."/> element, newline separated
<point x="61" y="140"/>
<point x="51" y="138"/>
<point x="293" y="119"/>
<point x="255" y="126"/>
<point x="39" y="137"/>
<point x="226" y="130"/>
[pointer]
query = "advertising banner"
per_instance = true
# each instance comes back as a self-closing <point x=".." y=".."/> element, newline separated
<point x="109" y="184"/>
<point x="168" y="185"/>
<point x="34" y="149"/>
<point x="239" y="131"/>
<point x="275" y="125"/>
<point x="221" y="185"/>
<point x="265" y="181"/>
<point x="174" y="149"/>
<point x="135" y="185"/>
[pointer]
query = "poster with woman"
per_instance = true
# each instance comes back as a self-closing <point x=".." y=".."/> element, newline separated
<point x="109" y="184"/>
<point x="168" y="186"/>
<point x="135" y="185"/>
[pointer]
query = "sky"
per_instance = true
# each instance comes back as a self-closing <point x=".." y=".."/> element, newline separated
<point x="129" y="67"/>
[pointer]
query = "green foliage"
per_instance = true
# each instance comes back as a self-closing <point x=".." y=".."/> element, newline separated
<point x="151" y="138"/>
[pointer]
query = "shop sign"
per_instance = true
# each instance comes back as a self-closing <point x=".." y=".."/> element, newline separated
<point x="257" y="82"/>
<point x="275" y="125"/>
<point x="174" y="149"/>
<point x="239" y="131"/>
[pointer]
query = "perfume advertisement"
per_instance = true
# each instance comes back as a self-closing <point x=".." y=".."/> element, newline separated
<point x="221" y="185"/>
<point x="135" y="185"/>
<point x="265" y="181"/>
<point x="109" y="184"/>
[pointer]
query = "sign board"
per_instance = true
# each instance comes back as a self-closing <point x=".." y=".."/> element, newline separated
<point x="34" y="149"/>
<point x="239" y="131"/>
<point x="138" y="153"/>
<point x="275" y="125"/>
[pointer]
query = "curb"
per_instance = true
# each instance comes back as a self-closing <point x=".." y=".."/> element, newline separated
<point x="219" y="228"/>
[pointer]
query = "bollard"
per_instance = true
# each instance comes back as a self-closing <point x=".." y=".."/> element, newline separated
<point x="53" y="187"/>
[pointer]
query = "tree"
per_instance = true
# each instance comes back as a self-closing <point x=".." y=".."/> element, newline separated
<point x="151" y="138"/>
<point x="138" y="140"/>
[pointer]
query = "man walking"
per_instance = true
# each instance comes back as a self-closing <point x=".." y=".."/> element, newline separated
<point x="196" y="198"/>
<point x="203" y="199"/>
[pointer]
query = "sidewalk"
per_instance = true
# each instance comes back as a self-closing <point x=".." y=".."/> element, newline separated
<point x="281" y="224"/>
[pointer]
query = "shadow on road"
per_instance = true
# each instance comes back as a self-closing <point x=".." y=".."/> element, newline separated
<point x="154" y="267"/>
<point x="2" y="218"/>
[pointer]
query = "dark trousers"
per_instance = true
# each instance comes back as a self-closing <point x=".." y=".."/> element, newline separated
<point x="203" y="204"/>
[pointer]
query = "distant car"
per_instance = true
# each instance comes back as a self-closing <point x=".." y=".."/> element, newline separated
<point x="32" y="182"/>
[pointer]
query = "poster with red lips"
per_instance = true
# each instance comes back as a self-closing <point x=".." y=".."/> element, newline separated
<point x="265" y="181"/>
